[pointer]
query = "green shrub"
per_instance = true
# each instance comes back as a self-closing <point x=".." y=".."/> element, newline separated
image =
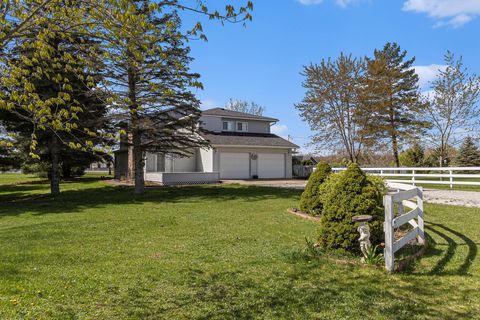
<point x="310" y="201"/>
<point x="345" y="195"/>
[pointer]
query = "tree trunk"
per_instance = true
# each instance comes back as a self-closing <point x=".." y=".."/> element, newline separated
<point x="395" y="150"/>
<point x="130" y="160"/>
<point x="54" y="170"/>
<point x="139" y="164"/>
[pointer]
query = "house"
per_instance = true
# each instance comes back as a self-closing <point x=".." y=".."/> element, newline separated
<point x="242" y="147"/>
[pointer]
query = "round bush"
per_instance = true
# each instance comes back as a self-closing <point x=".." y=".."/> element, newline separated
<point x="310" y="201"/>
<point x="345" y="195"/>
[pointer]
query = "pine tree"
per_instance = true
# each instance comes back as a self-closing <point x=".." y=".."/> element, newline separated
<point x="147" y="69"/>
<point x="61" y="91"/>
<point x="413" y="156"/>
<point x="468" y="154"/>
<point x="392" y="97"/>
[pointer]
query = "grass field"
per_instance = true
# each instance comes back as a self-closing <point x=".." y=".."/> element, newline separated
<point x="210" y="252"/>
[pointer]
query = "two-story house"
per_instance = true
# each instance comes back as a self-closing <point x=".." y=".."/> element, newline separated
<point x="242" y="147"/>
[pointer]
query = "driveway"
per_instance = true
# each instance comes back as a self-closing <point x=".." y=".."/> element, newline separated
<point x="452" y="197"/>
<point x="277" y="183"/>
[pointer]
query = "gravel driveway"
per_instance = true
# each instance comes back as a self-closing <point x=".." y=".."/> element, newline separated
<point x="452" y="197"/>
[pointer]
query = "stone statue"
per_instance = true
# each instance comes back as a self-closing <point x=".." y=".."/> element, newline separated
<point x="364" y="239"/>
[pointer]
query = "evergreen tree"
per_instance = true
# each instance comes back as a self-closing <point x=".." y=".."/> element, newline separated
<point x="468" y="154"/>
<point x="392" y="98"/>
<point x="147" y="69"/>
<point x="413" y="156"/>
<point x="61" y="91"/>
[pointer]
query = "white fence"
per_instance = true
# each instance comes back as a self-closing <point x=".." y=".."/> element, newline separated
<point x="435" y="175"/>
<point x="301" y="171"/>
<point x="395" y="202"/>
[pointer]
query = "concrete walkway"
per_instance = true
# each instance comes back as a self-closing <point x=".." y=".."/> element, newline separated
<point x="452" y="197"/>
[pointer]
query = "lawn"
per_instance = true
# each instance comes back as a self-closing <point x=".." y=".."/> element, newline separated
<point x="210" y="252"/>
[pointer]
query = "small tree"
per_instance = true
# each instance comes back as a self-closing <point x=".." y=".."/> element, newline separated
<point x="468" y="154"/>
<point x="310" y="201"/>
<point x="413" y="156"/>
<point x="346" y="195"/>
<point x="244" y="106"/>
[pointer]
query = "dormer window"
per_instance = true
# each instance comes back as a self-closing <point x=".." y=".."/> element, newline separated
<point x="227" y="126"/>
<point x="242" y="126"/>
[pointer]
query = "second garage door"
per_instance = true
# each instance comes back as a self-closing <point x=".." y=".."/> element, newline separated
<point x="234" y="165"/>
<point x="271" y="165"/>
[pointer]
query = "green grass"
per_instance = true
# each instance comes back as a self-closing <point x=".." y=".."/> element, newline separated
<point x="203" y="252"/>
<point x="14" y="178"/>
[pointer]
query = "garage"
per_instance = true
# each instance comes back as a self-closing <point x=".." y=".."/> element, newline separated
<point x="271" y="166"/>
<point x="234" y="165"/>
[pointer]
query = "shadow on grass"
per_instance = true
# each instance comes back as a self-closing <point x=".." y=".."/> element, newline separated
<point x="448" y="255"/>
<point x="35" y="198"/>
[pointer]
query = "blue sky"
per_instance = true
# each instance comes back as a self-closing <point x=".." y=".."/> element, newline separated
<point x="263" y="61"/>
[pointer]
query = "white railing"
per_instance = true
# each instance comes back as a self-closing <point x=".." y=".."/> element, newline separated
<point x="396" y="200"/>
<point x="445" y="175"/>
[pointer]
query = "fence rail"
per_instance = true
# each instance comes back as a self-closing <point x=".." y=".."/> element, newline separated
<point x="436" y="173"/>
<point x="395" y="217"/>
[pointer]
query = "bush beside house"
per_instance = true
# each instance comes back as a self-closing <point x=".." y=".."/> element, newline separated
<point x="345" y="195"/>
<point x="310" y="201"/>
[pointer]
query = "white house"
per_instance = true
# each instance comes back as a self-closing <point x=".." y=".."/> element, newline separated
<point x="242" y="147"/>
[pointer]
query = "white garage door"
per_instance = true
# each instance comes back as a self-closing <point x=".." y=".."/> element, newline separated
<point x="234" y="165"/>
<point x="271" y="165"/>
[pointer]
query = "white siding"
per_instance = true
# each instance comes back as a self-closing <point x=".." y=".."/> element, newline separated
<point x="205" y="160"/>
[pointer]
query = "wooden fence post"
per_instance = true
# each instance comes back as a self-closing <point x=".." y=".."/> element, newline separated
<point x="388" y="228"/>
<point x="421" y="221"/>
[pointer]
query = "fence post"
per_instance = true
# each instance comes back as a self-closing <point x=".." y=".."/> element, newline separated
<point x="451" y="179"/>
<point x="413" y="177"/>
<point x="388" y="228"/>
<point x="421" y="221"/>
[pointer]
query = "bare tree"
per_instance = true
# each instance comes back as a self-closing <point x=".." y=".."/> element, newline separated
<point x="333" y="104"/>
<point x="244" y="106"/>
<point x="453" y="111"/>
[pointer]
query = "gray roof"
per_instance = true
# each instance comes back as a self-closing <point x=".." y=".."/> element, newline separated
<point x="235" y="114"/>
<point x="247" y="139"/>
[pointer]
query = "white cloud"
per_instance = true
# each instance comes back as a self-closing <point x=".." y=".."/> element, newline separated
<point x="208" y="104"/>
<point x="279" y="129"/>
<point x="344" y="3"/>
<point x="428" y="73"/>
<point x="454" y="13"/>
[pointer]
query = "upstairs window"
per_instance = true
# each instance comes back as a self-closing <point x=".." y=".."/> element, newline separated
<point x="242" y="126"/>
<point x="227" y="126"/>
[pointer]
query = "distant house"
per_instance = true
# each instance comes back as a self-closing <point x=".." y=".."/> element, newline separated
<point x="242" y="147"/>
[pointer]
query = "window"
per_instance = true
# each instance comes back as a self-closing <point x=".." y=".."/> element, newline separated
<point x="227" y="126"/>
<point x="242" y="126"/>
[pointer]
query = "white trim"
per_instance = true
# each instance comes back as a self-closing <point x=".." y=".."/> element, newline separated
<point x="242" y="118"/>
<point x="249" y="146"/>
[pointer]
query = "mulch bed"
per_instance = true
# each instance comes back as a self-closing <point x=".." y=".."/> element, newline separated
<point x="400" y="264"/>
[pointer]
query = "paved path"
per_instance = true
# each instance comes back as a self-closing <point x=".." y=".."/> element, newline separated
<point x="452" y="197"/>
